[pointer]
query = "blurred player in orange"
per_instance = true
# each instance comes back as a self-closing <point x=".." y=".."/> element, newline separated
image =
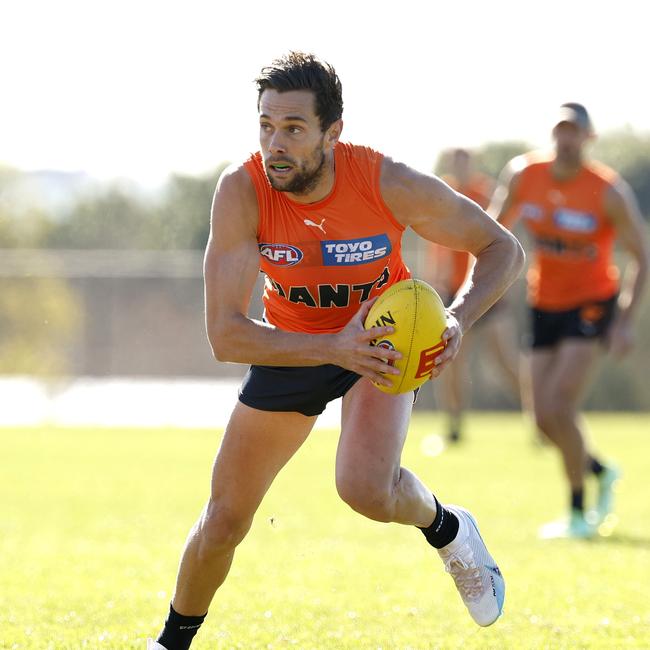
<point x="447" y="271"/>
<point x="573" y="211"/>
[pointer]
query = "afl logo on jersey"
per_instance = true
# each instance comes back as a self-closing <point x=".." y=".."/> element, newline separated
<point x="281" y="254"/>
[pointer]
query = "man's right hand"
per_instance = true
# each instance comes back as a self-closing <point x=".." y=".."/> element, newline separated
<point x="352" y="349"/>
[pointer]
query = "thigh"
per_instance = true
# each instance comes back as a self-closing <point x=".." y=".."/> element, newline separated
<point x="373" y="431"/>
<point x="547" y="328"/>
<point x="540" y="363"/>
<point x="255" y="447"/>
<point x="501" y="337"/>
<point x="573" y="368"/>
<point x="561" y="374"/>
<point x="453" y="383"/>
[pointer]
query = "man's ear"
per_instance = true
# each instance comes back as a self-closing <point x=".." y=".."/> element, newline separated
<point x="334" y="132"/>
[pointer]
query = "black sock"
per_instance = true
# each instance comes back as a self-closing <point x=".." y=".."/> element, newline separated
<point x="443" y="529"/>
<point x="596" y="467"/>
<point x="179" y="630"/>
<point x="578" y="500"/>
<point x="454" y="428"/>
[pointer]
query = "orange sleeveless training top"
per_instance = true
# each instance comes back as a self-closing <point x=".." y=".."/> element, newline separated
<point x="457" y="263"/>
<point x="323" y="259"/>
<point x="572" y="236"/>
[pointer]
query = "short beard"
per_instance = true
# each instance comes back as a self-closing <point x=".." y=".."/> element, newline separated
<point x="304" y="181"/>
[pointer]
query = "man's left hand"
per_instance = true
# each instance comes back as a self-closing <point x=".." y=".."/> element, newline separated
<point x="452" y="336"/>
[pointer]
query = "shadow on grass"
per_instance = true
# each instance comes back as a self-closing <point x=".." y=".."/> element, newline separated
<point x="613" y="539"/>
<point x="623" y="539"/>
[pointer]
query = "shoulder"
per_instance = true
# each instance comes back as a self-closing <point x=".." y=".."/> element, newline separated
<point x="235" y="194"/>
<point x="619" y="198"/>
<point x="530" y="162"/>
<point x="618" y="195"/>
<point x="603" y="172"/>
<point x="236" y="180"/>
<point x="399" y="181"/>
<point x="411" y="194"/>
<point x="238" y="176"/>
<point x="358" y="161"/>
<point x="523" y="166"/>
<point x="357" y="152"/>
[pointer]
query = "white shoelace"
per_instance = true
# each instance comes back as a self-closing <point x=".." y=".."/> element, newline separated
<point x="465" y="573"/>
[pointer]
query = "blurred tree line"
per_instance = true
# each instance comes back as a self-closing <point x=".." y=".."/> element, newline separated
<point x="40" y="317"/>
<point x="116" y="216"/>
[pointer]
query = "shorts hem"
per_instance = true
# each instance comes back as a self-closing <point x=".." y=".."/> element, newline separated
<point x="251" y="403"/>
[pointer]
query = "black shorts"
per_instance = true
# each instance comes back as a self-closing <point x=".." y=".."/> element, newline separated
<point x="589" y="321"/>
<point x="306" y="390"/>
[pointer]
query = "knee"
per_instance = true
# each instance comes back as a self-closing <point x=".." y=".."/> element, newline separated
<point x="221" y="528"/>
<point x="367" y="497"/>
<point x="555" y="416"/>
<point x="545" y="418"/>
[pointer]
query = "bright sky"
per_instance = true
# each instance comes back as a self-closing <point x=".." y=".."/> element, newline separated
<point x="140" y="89"/>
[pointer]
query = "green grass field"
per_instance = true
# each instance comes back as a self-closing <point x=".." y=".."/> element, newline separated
<point x="92" y="523"/>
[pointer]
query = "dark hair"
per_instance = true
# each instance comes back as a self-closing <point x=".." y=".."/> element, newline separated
<point x="576" y="113"/>
<point x="300" y="71"/>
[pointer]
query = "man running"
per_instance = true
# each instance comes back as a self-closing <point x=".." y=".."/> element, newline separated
<point x="448" y="270"/>
<point x="574" y="210"/>
<point x="324" y="220"/>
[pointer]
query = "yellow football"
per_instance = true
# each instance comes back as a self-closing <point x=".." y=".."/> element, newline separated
<point x="417" y="314"/>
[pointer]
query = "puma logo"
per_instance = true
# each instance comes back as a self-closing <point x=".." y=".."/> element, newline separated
<point x="309" y="222"/>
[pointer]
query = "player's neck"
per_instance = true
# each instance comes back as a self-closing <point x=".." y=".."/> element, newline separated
<point x="563" y="170"/>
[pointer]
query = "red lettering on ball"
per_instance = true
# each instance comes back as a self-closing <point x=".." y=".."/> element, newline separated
<point x="427" y="360"/>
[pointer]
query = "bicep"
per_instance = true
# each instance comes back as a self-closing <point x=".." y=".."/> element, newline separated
<point x="435" y="211"/>
<point x="461" y="225"/>
<point x="231" y="263"/>
<point x="623" y="211"/>
<point x="230" y="272"/>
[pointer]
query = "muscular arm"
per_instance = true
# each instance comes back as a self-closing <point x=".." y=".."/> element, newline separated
<point x="623" y="211"/>
<point x="231" y="266"/>
<point x="437" y="213"/>
<point x="504" y="196"/>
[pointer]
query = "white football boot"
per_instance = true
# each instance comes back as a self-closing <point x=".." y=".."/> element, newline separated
<point x="154" y="645"/>
<point x="607" y="484"/>
<point x="575" y="526"/>
<point x="476" y="574"/>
